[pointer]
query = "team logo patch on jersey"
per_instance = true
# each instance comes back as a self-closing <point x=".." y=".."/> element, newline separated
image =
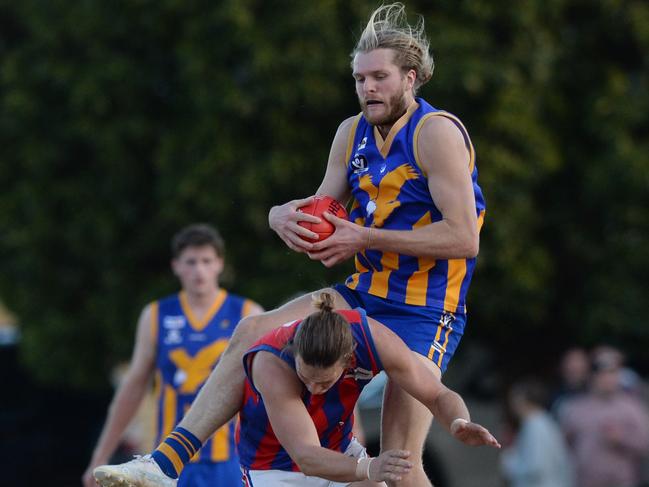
<point x="359" y="163"/>
<point x="174" y="322"/>
<point x="224" y="324"/>
<point x="173" y="337"/>
<point x="362" y="144"/>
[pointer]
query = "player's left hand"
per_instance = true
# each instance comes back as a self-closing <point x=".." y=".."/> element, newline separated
<point x="473" y="434"/>
<point x="347" y="239"/>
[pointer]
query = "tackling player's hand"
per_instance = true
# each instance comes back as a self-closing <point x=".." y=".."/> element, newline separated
<point x="473" y="434"/>
<point x="284" y="219"/>
<point x="347" y="240"/>
<point x="390" y="465"/>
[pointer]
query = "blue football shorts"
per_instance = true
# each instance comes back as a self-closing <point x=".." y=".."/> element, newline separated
<point x="427" y="330"/>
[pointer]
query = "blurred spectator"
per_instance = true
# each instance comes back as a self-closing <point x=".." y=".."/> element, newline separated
<point x="607" y="428"/>
<point x="629" y="379"/>
<point x="538" y="456"/>
<point x="574" y="371"/>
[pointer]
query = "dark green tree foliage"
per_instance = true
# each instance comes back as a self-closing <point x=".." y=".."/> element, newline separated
<point x="120" y="122"/>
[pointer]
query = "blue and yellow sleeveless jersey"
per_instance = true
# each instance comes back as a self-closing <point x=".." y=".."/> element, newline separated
<point x="390" y="191"/>
<point x="187" y="351"/>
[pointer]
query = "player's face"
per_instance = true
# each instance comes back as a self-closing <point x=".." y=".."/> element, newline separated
<point x="319" y="380"/>
<point x="383" y="90"/>
<point x="198" y="269"/>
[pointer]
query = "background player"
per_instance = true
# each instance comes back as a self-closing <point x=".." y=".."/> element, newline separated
<point x="416" y="216"/>
<point x="180" y="338"/>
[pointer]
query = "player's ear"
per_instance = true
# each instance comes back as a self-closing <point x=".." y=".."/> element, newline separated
<point x="174" y="266"/>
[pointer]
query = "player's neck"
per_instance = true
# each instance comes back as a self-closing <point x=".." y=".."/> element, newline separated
<point x="200" y="302"/>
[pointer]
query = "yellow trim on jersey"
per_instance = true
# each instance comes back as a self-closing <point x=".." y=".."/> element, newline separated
<point x="169" y="413"/>
<point x="220" y="444"/>
<point x="154" y="323"/>
<point x="465" y="133"/>
<point x="350" y="139"/>
<point x="379" y="285"/>
<point x="417" y="286"/>
<point x="386" y="145"/>
<point x="455" y="276"/>
<point x="247" y="307"/>
<point x="216" y="305"/>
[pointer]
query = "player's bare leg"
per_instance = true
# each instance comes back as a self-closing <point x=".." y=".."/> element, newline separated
<point x="404" y="425"/>
<point x="220" y="397"/>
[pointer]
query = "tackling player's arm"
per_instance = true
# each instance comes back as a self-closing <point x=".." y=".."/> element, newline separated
<point x="445" y="159"/>
<point x="409" y="372"/>
<point x="282" y="393"/>
<point x="128" y="396"/>
<point x="284" y="219"/>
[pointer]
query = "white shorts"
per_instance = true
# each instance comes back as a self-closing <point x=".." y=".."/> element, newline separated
<point x="284" y="478"/>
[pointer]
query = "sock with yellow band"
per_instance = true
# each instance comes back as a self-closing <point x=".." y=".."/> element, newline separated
<point x="175" y="451"/>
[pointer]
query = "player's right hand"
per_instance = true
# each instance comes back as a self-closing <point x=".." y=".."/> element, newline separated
<point x="283" y="219"/>
<point x="390" y="465"/>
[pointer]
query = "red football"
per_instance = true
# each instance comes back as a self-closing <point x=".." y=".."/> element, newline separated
<point x="319" y="205"/>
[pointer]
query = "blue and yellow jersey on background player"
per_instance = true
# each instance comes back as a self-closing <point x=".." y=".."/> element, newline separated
<point x="187" y="351"/>
<point x="390" y="191"/>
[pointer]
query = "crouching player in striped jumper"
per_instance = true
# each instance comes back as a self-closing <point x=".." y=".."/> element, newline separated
<point x="302" y="382"/>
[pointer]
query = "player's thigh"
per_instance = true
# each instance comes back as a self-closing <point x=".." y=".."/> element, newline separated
<point x="405" y="421"/>
<point x="253" y="327"/>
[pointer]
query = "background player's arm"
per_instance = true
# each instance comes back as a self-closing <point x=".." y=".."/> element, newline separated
<point x="409" y="372"/>
<point x="283" y="219"/>
<point x="445" y="160"/>
<point x="282" y="393"/>
<point x="128" y="396"/>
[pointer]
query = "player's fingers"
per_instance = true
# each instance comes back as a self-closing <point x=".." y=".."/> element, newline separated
<point x="399" y="453"/>
<point x="332" y="218"/>
<point x="303" y="201"/>
<point x="300" y="242"/>
<point x="304" y="232"/>
<point x="305" y="217"/>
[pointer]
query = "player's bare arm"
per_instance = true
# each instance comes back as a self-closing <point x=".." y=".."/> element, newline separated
<point x="128" y="396"/>
<point x="282" y="390"/>
<point x="410" y="372"/>
<point x="284" y="219"/>
<point x="445" y="160"/>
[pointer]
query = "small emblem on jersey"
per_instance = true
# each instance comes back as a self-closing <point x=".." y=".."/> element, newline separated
<point x="174" y="322"/>
<point x="180" y="377"/>
<point x="173" y="337"/>
<point x="224" y="324"/>
<point x="383" y="168"/>
<point x="370" y="207"/>
<point x="447" y="320"/>
<point x="362" y="144"/>
<point x="359" y="163"/>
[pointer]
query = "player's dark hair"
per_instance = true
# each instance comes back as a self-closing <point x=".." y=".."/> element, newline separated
<point x="197" y="235"/>
<point x="323" y="337"/>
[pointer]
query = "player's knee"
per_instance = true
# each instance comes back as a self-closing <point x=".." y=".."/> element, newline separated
<point x="249" y="329"/>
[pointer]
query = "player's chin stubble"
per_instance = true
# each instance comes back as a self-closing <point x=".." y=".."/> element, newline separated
<point x="397" y="107"/>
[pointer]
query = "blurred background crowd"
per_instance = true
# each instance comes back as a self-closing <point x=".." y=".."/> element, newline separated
<point x="121" y="122"/>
